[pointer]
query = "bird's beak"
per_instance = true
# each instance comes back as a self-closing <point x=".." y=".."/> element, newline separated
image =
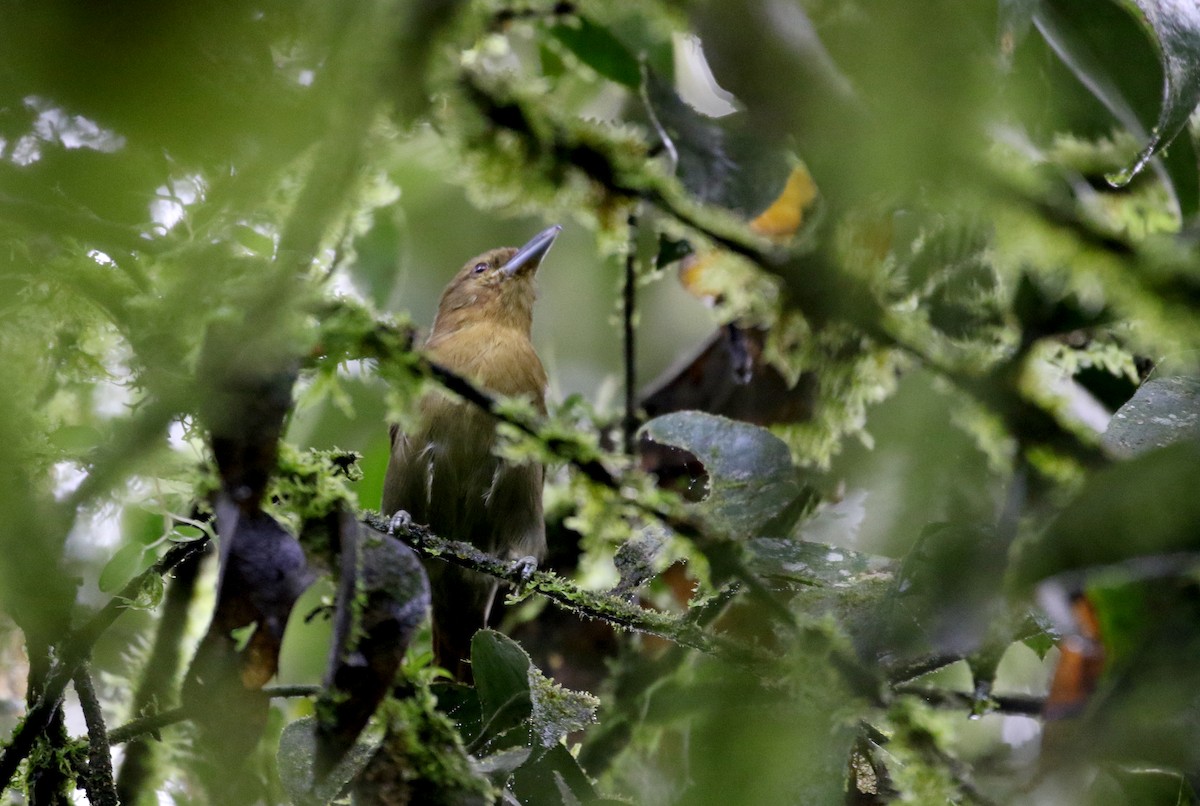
<point x="529" y="256"/>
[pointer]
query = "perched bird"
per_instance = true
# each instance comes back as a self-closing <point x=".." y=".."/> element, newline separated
<point x="443" y="472"/>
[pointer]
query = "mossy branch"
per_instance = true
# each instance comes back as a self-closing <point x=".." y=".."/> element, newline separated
<point x="824" y="293"/>
<point x="589" y="604"/>
<point x="74" y="651"/>
<point x="99" y="784"/>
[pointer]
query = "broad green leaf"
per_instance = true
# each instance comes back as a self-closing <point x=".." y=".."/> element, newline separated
<point x="128" y="561"/>
<point x="460" y="703"/>
<point x="751" y="477"/>
<point x="1162" y="411"/>
<point x="500" y="765"/>
<point x="600" y="50"/>
<point x="1144" y="506"/>
<point x="75" y="439"/>
<point x="296" y="759"/>
<point x="1175" y="26"/>
<point x="501" y="670"/>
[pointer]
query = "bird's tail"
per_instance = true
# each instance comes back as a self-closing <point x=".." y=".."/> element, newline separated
<point x="462" y="601"/>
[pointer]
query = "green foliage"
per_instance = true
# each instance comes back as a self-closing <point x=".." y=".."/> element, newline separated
<point x="227" y="220"/>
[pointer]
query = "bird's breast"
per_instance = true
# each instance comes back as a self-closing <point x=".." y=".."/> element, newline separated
<point x="500" y="359"/>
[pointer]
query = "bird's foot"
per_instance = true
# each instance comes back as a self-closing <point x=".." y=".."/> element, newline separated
<point x="524" y="567"/>
<point x="400" y="521"/>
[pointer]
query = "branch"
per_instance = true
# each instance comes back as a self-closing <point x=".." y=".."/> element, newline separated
<point x="945" y="698"/>
<point x="565" y="594"/>
<point x="149" y="724"/>
<point x="630" y="423"/>
<point x="819" y="290"/>
<point x="152" y="723"/>
<point x="99" y="784"/>
<point x="76" y="648"/>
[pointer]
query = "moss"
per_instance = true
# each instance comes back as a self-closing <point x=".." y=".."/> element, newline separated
<point x="422" y="759"/>
<point x="313" y="484"/>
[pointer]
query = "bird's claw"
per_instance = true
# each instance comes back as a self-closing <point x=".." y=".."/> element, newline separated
<point x="400" y="521"/>
<point x="524" y="567"/>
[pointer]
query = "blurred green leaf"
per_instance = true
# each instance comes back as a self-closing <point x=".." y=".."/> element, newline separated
<point x="599" y="50"/>
<point x="751" y="477"/>
<point x="1141" y="507"/>
<point x="296" y="758"/>
<point x="130" y="560"/>
<point x="812" y="563"/>
<point x="554" y="778"/>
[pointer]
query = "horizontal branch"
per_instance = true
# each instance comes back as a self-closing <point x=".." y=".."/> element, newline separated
<point x="945" y="698"/>
<point x="156" y="721"/>
<point x="590" y="604"/>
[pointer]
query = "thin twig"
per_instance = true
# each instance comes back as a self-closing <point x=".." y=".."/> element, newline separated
<point x="150" y="724"/>
<point x="99" y="784"/>
<point x="1004" y="704"/>
<point x="76" y="648"/>
<point x="629" y="424"/>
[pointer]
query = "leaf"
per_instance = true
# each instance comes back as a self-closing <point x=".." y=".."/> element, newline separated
<point x="751" y="477"/>
<point x="122" y="567"/>
<point x="1162" y="411"/>
<point x="1175" y="26"/>
<point x="721" y="161"/>
<point x="296" y="758"/>
<point x="554" y="778"/>
<point x="501" y="764"/>
<point x="558" y="711"/>
<point x="599" y="49"/>
<point x="501" y="669"/>
<point x="1143" y="506"/>
<point x="812" y="563"/>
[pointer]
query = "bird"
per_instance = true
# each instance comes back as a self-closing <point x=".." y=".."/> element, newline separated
<point x="442" y="472"/>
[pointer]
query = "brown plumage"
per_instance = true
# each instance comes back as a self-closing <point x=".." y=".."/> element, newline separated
<point x="443" y="473"/>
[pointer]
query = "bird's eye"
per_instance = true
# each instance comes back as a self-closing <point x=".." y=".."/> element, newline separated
<point x="480" y="268"/>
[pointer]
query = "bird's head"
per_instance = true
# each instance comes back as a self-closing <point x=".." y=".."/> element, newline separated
<point x="496" y="286"/>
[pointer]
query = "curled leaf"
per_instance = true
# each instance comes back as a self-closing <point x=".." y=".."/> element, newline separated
<point x="1175" y="27"/>
<point x="751" y="477"/>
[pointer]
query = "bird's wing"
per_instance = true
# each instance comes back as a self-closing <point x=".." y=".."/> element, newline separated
<point x="406" y="484"/>
<point x="514" y="506"/>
